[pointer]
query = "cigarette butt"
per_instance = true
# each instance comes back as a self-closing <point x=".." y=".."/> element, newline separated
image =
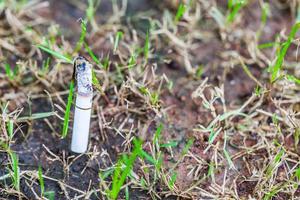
<point x="83" y="105"/>
<point x="81" y="126"/>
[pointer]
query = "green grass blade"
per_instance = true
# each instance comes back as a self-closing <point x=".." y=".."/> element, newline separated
<point x="10" y="128"/>
<point x="35" y="116"/>
<point x="169" y="144"/>
<point x="187" y="146"/>
<point x="132" y="60"/>
<point x="105" y="62"/>
<point x="91" y="53"/>
<point x="50" y="195"/>
<point x="146" y="46"/>
<point x="293" y="79"/>
<point x="15" y="170"/>
<point x="282" y="52"/>
<point x="213" y="134"/>
<point x="41" y="180"/>
<point x="105" y="174"/>
<point x="231" y="113"/>
<point x="266" y="45"/>
<point x="271" y="194"/>
<point x="68" y="109"/>
<point x="120" y="176"/>
<point x="265" y="13"/>
<point x="95" y="82"/>
<point x="90" y="11"/>
<point x="8" y="71"/>
<point x="127" y="193"/>
<point x="275" y="162"/>
<point x="297" y="173"/>
<point x="211" y="170"/>
<point x="180" y="12"/>
<point x="228" y="158"/>
<point x="114" y="191"/>
<point x="54" y="53"/>
<point x="230" y="4"/>
<point x="82" y="36"/>
<point x="130" y="162"/>
<point x="148" y="157"/>
<point x="234" y="7"/>
<point x="173" y="180"/>
<point x="45" y="66"/>
<point x="157" y="134"/>
<point x="119" y="36"/>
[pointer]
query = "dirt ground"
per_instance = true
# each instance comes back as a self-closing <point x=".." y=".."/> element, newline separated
<point x="213" y="86"/>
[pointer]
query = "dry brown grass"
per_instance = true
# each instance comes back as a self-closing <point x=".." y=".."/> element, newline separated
<point x="228" y="132"/>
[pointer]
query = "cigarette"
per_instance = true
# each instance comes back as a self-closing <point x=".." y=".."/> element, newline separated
<point x="83" y="105"/>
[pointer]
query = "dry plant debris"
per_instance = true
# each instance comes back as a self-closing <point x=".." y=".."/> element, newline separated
<point x="193" y="99"/>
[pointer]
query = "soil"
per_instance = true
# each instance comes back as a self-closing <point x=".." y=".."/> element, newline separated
<point x="38" y="145"/>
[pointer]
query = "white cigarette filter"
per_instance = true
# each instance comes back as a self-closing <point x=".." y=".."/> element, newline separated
<point x="83" y="105"/>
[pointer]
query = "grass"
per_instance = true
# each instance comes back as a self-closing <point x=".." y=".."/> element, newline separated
<point x="95" y="81"/>
<point x="267" y="45"/>
<point x="90" y="11"/>
<point x="124" y="166"/>
<point x="274" y="164"/>
<point x="80" y="42"/>
<point x="35" y="116"/>
<point x="120" y="173"/>
<point x="180" y="12"/>
<point x="258" y="91"/>
<point x="234" y="7"/>
<point x="146" y="48"/>
<point x="228" y="158"/>
<point x="293" y="79"/>
<point x="118" y="37"/>
<point x="297" y="137"/>
<point x="92" y="55"/>
<point x="213" y="134"/>
<point x="187" y="147"/>
<point x="55" y="53"/>
<point x="157" y="135"/>
<point x="265" y="8"/>
<point x="133" y="60"/>
<point x="193" y="86"/>
<point x="168" y="177"/>
<point x="10" y="128"/>
<point x="281" y="52"/>
<point x="15" y="172"/>
<point x="297" y="173"/>
<point x="172" y="180"/>
<point x="45" y="67"/>
<point x="41" y="180"/>
<point x="211" y="170"/>
<point x="265" y="13"/>
<point x="11" y="74"/>
<point x="199" y="71"/>
<point x="50" y="195"/>
<point x="105" y="62"/>
<point x="153" y="96"/>
<point x="169" y="144"/>
<point x="271" y="194"/>
<point x="68" y="110"/>
<point x="127" y="197"/>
